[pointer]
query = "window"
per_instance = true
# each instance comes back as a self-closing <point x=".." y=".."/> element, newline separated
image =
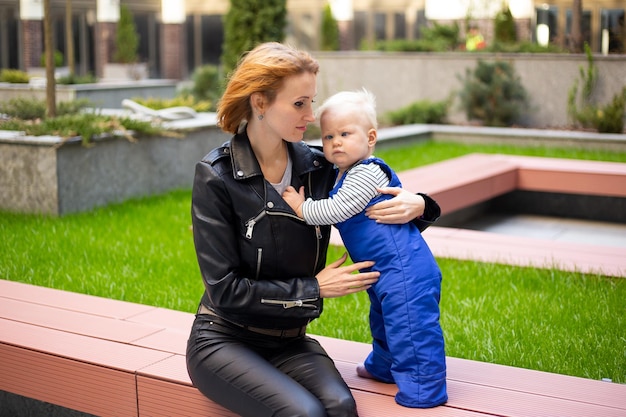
<point x="585" y="30"/>
<point x="612" y="31"/>
<point x="399" y="26"/>
<point x="546" y="28"/>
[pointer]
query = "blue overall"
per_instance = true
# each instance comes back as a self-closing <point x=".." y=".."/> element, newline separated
<point x="408" y="343"/>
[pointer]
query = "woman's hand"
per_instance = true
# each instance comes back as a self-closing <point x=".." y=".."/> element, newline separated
<point x="402" y="208"/>
<point x="336" y="280"/>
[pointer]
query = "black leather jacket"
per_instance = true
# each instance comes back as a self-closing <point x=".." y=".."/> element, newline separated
<point x="258" y="260"/>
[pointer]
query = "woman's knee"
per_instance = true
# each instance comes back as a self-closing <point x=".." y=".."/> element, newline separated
<point x="343" y="406"/>
<point x="311" y="408"/>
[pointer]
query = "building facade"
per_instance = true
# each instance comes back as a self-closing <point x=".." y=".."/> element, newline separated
<point x="177" y="36"/>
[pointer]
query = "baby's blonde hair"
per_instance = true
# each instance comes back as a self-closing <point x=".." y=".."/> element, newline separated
<point x="361" y="100"/>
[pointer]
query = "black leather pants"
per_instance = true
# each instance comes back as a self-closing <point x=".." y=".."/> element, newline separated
<point x="256" y="375"/>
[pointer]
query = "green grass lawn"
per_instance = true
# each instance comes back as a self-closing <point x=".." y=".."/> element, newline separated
<point x="142" y="251"/>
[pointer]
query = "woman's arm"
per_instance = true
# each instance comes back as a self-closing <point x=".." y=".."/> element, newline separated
<point x="336" y="280"/>
<point x="405" y="207"/>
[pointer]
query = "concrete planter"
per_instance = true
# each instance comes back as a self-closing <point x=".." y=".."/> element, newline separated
<point x="39" y="175"/>
<point x="103" y="94"/>
<point x="125" y="72"/>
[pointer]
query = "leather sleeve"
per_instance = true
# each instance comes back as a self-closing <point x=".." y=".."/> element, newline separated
<point x="432" y="211"/>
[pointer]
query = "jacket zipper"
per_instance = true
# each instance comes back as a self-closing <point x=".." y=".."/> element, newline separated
<point x="259" y="256"/>
<point x="318" y="232"/>
<point x="250" y="223"/>
<point x="291" y="303"/>
<point x="253" y="221"/>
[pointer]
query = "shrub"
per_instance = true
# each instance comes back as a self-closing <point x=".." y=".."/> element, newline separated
<point x="183" y="100"/>
<point x="583" y="111"/>
<point x="207" y="83"/>
<point x="34" y="109"/>
<point x="504" y="26"/>
<point x="57" y="57"/>
<point x="424" y="111"/>
<point x="438" y="38"/>
<point x="126" y="38"/>
<point x="77" y="79"/>
<point x="524" y="47"/>
<point x="86" y="125"/>
<point x="406" y="45"/>
<point x="248" y="23"/>
<point x="610" y="119"/>
<point x="24" y="108"/>
<point x="330" y="31"/>
<point x="493" y="93"/>
<point x="28" y="115"/>
<point x="446" y="33"/>
<point x="14" y="76"/>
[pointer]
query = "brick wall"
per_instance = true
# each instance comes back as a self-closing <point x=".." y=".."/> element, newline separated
<point x="32" y="33"/>
<point x="104" y="44"/>
<point x="173" y="52"/>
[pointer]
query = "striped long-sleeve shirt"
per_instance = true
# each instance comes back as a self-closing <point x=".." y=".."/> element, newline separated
<point x="357" y="190"/>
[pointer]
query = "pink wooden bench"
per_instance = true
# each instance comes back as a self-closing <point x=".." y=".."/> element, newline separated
<point x="475" y="178"/>
<point x="114" y="358"/>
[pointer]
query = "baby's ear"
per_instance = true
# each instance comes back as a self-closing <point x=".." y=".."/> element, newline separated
<point x="372" y="135"/>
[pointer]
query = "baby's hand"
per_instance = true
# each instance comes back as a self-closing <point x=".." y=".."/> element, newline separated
<point x="294" y="199"/>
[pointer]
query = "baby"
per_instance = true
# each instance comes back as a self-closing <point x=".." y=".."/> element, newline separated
<point x="408" y="343"/>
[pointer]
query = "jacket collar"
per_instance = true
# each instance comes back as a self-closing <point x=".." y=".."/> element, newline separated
<point x="245" y="164"/>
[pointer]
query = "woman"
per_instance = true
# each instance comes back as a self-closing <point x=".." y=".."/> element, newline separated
<point x="264" y="268"/>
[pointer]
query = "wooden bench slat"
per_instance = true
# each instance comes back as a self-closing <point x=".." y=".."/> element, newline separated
<point x="491" y="399"/>
<point x="168" y="319"/>
<point x="161" y="398"/>
<point x="168" y="340"/>
<point x="487" y="374"/>
<point x="538" y="382"/>
<point x="81" y="348"/>
<point x="374" y="405"/>
<point x="74" y="322"/>
<point x="504" y="402"/>
<point x="369" y="399"/>
<point x="67" y="300"/>
<point x="69" y="383"/>
<point x="172" y="369"/>
<point x="546" y="180"/>
<point x="522" y="251"/>
<point x="151" y="371"/>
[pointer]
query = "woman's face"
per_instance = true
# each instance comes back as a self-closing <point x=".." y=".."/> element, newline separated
<point x="292" y="110"/>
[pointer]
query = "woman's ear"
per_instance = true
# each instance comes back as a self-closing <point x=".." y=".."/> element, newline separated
<point x="372" y="134"/>
<point x="257" y="102"/>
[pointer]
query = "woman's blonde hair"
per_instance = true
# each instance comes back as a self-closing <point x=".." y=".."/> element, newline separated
<point x="263" y="69"/>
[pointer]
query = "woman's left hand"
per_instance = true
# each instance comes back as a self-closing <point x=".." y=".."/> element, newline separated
<point x="402" y="208"/>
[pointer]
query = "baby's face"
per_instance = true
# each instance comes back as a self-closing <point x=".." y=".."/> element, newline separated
<point x="346" y="138"/>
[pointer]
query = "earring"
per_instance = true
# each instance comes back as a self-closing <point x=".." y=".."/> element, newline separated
<point x="260" y="117"/>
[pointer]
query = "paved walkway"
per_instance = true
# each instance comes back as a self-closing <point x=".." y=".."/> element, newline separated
<point x="553" y="228"/>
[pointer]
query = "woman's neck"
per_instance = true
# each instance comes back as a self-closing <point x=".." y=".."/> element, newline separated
<point x="271" y="153"/>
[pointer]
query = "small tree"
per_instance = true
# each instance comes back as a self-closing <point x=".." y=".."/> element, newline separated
<point x="584" y="111"/>
<point x="51" y="107"/>
<point x="126" y="38"/>
<point x="330" y="31"/>
<point x="504" y="26"/>
<point x="248" y="23"/>
<point x="493" y="93"/>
